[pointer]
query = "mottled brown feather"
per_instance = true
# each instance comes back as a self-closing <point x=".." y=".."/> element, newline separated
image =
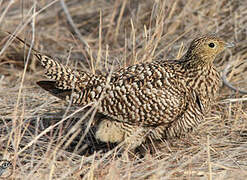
<point x="169" y="97"/>
<point x="161" y="99"/>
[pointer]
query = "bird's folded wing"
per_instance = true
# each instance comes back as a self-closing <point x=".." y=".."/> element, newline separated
<point x="146" y="94"/>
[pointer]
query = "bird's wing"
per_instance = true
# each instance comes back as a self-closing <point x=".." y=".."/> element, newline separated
<point x="145" y="94"/>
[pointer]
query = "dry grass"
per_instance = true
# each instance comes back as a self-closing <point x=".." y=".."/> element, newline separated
<point x="45" y="138"/>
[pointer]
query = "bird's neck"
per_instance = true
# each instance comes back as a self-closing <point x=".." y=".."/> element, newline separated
<point x="196" y="61"/>
<point x="204" y="79"/>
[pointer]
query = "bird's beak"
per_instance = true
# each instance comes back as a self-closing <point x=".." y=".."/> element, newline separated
<point x="229" y="45"/>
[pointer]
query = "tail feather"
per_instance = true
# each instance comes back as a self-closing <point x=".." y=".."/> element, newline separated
<point x="67" y="83"/>
<point x="55" y="70"/>
<point x="51" y="87"/>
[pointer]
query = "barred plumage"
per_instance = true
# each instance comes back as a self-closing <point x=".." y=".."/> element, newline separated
<point x="161" y="99"/>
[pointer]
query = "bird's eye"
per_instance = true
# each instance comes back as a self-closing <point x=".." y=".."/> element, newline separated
<point x="211" y="45"/>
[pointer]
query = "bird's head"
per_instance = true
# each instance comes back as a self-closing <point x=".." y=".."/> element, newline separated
<point x="203" y="50"/>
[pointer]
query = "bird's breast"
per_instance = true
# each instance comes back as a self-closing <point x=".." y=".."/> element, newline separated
<point x="206" y="84"/>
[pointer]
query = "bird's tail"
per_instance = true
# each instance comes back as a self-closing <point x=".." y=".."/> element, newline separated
<point x="65" y="82"/>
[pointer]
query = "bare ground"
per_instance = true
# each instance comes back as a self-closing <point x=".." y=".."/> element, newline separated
<point x="45" y="138"/>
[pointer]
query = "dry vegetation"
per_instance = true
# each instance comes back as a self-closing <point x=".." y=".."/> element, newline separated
<point x="45" y="137"/>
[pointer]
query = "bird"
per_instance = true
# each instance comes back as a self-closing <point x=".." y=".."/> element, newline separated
<point x="156" y="100"/>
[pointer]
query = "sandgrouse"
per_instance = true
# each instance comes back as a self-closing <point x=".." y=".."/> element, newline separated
<point x="157" y="100"/>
